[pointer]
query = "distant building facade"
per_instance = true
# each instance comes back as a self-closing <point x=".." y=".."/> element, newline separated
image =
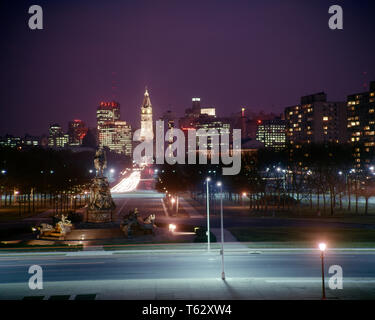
<point x="272" y="133"/>
<point x="107" y="112"/>
<point x="57" y="138"/>
<point x="361" y="126"/>
<point x="117" y="136"/>
<point x="112" y="132"/>
<point x="76" y="131"/>
<point x="316" y="120"/>
<point x="26" y="141"/>
<point x="197" y="118"/>
<point x="146" y="117"/>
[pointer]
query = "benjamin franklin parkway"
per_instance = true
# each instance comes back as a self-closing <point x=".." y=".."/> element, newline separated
<point x="187" y="150"/>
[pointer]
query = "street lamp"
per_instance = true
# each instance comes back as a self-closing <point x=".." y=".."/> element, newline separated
<point x="322" y="247"/>
<point x="208" y="179"/>
<point x="219" y="184"/>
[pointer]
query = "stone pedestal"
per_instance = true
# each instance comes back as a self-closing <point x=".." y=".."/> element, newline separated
<point x="98" y="216"/>
<point x="101" y="204"/>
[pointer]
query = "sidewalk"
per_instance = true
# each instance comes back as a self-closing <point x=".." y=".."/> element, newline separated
<point x="196" y="289"/>
<point x="230" y="242"/>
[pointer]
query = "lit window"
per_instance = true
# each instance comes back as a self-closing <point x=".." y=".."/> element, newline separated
<point x="325" y="118"/>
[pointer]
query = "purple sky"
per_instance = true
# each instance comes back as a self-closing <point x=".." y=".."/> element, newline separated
<point x="232" y="53"/>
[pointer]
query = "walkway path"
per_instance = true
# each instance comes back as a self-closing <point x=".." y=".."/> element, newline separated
<point x="193" y="213"/>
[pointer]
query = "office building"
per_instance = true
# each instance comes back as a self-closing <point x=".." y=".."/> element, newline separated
<point x="76" y="131"/>
<point x="117" y="136"/>
<point x="57" y="138"/>
<point x="272" y="133"/>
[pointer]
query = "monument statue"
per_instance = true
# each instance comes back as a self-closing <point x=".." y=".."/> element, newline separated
<point x="133" y="224"/>
<point x="101" y="204"/>
<point x="100" y="162"/>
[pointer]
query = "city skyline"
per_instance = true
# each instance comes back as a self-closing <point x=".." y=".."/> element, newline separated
<point x="229" y="55"/>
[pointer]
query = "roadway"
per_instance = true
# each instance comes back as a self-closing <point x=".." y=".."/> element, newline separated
<point x="111" y="275"/>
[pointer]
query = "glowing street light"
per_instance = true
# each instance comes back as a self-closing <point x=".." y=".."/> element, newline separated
<point x="219" y="184"/>
<point x="322" y="248"/>
<point x="172" y="227"/>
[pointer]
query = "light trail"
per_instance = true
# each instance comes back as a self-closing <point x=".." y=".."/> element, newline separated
<point x="128" y="184"/>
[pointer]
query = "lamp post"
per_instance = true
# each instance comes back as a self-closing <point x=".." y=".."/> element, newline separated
<point x="219" y="184"/>
<point x="322" y="247"/>
<point x="208" y="213"/>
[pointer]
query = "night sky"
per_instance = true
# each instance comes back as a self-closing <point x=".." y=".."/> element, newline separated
<point x="262" y="54"/>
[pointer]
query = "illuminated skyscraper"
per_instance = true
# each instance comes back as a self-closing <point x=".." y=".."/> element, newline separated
<point x="107" y="111"/>
<point x="146" y="118"/>
<point x="76" y="131"/>
<point x="113" y="133"/>
<point x="117" y="136"/>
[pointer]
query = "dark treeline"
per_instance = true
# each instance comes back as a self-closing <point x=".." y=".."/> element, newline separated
<point x="321" y="175"/>
<point x="48" y="178"/>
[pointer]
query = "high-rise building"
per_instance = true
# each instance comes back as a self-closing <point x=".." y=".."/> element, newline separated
<point x="107" y="111"/>
<point x="361" y="126"/>
<point x="209" y="123"/>
<point x="146" y="117"/>
<point x="76" y="131"/>
<point x="249" y="121"/>
<point x="57" y="138"/>
<point x="315" y="120"/>
<point x="197" y="118"/>
<point x="209" y="111"/>
<point x="272" y="134"/>
<point x="117" y="136"/>
<point x="113" y="133"/>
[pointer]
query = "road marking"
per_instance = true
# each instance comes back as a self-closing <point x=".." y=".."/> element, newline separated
<point x="164" y="208"/>
<point x="50" y="264"/>
<point x="317" y="280"/>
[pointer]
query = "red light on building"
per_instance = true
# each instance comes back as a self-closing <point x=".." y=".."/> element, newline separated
<point x="259" y="122"/>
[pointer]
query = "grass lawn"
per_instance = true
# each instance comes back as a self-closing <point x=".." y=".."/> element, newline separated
<point x="335" y="237"/>
<point x="22" y="247"/>
<point x="12" y="213"/>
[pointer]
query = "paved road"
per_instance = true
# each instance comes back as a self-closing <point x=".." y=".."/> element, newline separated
<point x="189" y="275"/>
